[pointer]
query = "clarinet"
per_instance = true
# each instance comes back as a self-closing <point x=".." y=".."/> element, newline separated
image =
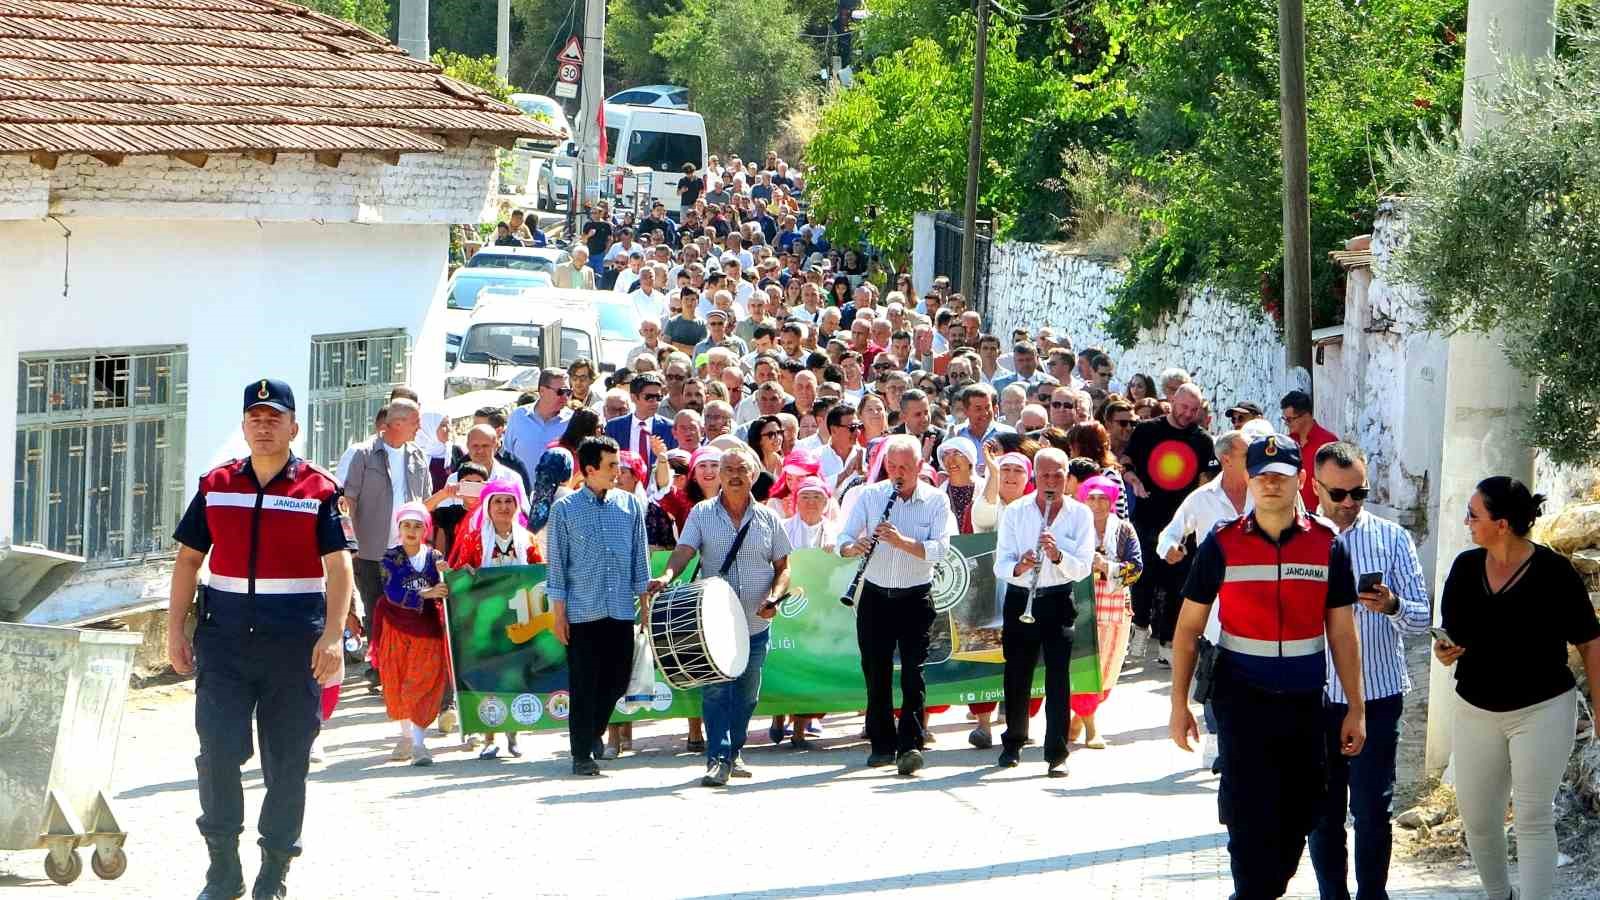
<point x="1026" y="617"/>
<point x="854" y="590"/>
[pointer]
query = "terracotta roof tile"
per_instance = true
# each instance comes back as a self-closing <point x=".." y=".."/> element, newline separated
<point x="217" y="76"/>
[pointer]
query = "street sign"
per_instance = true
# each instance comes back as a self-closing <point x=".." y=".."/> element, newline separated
<point x="568" y="72"/>
<point x="572" y="52"/>
<point x="566" y="89"/>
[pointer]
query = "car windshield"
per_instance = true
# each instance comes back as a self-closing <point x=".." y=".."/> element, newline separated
<point x="526" y="380"/>
<point x="464" y="293"/>
<point x="539" y="107"/>
<point x="575" y="345"/>
<point x="509" y="344"/>
<point x="664" y="151"/>
<point x="618" y="322"/>
<point x="489" y="259"/>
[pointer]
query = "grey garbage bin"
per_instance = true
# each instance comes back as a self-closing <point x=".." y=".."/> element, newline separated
<point x="62" y="692"/>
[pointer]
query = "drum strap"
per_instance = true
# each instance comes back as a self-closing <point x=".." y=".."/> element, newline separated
<point x="733" y="552"/>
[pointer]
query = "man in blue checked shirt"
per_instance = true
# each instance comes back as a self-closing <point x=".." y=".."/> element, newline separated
<point x="1393" y="602"/>
<point x="597" y="554"/>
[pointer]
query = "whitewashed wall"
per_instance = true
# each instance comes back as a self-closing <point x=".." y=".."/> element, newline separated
<point x="446" y="187"/>
<point x="1233" y="353"/>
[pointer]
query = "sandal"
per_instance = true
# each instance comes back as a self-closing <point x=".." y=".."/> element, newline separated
<point x="695" y="745"/>
<point x="1095" y="743"/>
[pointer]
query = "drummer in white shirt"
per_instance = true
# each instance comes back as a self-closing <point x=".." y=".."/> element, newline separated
<point x="756" y="566"/>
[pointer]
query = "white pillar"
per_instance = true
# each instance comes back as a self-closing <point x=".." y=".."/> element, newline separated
<point x="502" y="41"/>
<point x="412" y="28"/>
<point x="592" y="96"/>
<point x="1485" y="398"/>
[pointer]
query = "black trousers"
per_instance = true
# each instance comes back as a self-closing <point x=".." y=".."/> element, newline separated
<point x="1049" y="636"/>
<point x="240" y="677"/>
<point x="599" y="661"/>
<point x="1158" y="594"/>
<point x="1274" y="778"/>
<point x="1144" y="590"/>
<point x="887" y="620"/>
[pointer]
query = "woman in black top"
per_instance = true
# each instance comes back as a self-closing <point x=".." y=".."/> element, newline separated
<point x="1510" y="608"/>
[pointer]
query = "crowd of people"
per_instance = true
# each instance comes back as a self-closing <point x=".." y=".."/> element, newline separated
<point x="785" y="396"/>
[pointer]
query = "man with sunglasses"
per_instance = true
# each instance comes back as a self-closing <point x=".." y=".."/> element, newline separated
<point x="1390" y="605"/>
<point x="1303" y="427"/>
<point x="633" y="431"/>
<point x="532" y="428"/>
<point x="842" y="450"/>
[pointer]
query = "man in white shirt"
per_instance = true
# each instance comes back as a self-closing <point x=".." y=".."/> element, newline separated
<point x="629" y="277"/>
<point x="841" y="454"/>
<point x="1050" y="529"/>
<point x="733" y="270"/>
<point x="482" y="442"/>
<point x="650" y="330"/>
<point x="622" y="248"/>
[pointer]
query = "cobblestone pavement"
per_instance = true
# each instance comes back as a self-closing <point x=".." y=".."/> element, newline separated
<point x="1137" y="820"/>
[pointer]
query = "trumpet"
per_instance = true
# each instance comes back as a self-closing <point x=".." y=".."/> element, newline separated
<point x="848" y="598"/>
<point x="1026" y="617"/>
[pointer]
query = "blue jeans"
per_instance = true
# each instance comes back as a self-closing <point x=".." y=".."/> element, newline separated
<point x="727" y="707"/>
<point x="1365" y="786"/>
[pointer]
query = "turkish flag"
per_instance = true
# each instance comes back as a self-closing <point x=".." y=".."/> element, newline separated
<point x="600" y="125"/>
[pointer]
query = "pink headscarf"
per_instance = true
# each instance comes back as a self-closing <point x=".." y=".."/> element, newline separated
<point x="1099" y="484"/>
<point x="800" y="462"/>
<point x="511" y="487"/>
<point x="415" y="512"/>
<point x="635" y="464"/>
<point x="1017" y="459"/>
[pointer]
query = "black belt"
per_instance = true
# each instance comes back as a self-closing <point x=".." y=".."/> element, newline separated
<point x="1052" y="591"/>
<point x="910" y="593"/>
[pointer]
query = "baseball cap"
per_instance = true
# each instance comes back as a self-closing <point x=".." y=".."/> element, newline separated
<point x="716" y="314"/>
<point x="1246" y="407"/>
<point x="1274" y="454"/>
<point x="269" y="392"/>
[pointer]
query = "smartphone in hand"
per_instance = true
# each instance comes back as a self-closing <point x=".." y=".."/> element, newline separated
<point x="1443" y="637"/>
<point x="1369" y="582"/>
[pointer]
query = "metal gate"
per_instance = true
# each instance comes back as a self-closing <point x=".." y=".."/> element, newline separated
<point x="947" y="233"/>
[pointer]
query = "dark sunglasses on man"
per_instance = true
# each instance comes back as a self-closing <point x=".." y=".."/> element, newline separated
<point x="1338" y="495"/>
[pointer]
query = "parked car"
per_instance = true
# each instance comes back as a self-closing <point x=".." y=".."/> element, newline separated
<point x="545" y="109"/>
<point x="526" y="259"/>
<point x="660" y="140"/>
<point x="510" y="334"/>
<point x="619" y="319"/>
<point x="670" y="95"/>
<point x="552" y="182"/>
<point x="462" y="291"/>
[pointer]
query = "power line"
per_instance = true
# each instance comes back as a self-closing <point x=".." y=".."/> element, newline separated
<point x="1069" y="10"/>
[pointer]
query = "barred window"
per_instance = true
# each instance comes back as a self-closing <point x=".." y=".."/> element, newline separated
<point x="351" y="376"/>
<point x="100" y="440"/>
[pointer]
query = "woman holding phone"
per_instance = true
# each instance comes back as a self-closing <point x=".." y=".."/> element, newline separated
<point x="1509" y="609"/>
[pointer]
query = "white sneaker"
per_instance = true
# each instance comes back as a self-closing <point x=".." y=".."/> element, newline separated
<point x="401" y="751"/>
<point x="1164" y="656"/>
<point x="1208" y="754"/>
<point x="317" y="754"/>
<point x="420" y="756"/>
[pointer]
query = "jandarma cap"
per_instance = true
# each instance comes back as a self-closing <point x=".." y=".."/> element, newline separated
<point x="1273" y="454"/>
<point x="268" y="392"/>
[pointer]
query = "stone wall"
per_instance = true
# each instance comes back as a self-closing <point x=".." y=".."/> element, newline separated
<point x="438" y="188"/>
<point x="1233" y="353"/>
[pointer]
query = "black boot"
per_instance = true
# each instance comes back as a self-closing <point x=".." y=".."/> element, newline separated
<point x="224" y="877"/>
<point x="269" y="881"/>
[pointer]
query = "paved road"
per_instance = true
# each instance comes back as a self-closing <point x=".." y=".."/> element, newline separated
<point x="1137" y="820"/>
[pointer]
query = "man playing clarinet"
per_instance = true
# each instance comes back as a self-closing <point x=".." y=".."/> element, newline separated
<point x="1045" y="543"/>
<point x="895" y="609"/>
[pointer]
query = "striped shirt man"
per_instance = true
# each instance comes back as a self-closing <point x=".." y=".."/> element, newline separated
<point x="1378" y="545"/>
<point x="597" y="554"/>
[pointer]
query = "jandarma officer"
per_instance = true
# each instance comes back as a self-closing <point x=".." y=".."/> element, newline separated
<point x="268" y="630"/>
<point x="1285" y="589"/>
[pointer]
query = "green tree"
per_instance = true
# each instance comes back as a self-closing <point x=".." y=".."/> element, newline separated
<point x="631" y="27"/>
<point x="744" y="63"/>
<point x="474" y="70"/>
<point x="373" y="15"/>
<point x="1506" y="235"/>
<point x="462" y="26"/>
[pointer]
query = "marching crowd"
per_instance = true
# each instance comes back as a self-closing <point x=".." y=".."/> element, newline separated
<point x="784" y="396"/>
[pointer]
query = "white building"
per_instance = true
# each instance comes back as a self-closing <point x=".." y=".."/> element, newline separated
<point x="194" y="195"/>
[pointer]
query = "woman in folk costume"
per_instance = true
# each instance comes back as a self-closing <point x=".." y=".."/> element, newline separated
<point x="800" y="464"/>
<point x="497" y="535"/>
<point x="814" y="526"/>
<point x="958" y="456"/>
<point x="408" y="633"/>
<point x="1117" y="564"/>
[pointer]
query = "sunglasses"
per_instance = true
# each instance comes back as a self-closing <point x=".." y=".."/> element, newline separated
<point x="677" y="377"/>
<point x="650" y="398"/>
<point x="562" y="392"/>
<point x="1338" y="495"/>
<point x="884" y="368"/>
<point x="1123" y="423"/>
<point x="857" y="426"/>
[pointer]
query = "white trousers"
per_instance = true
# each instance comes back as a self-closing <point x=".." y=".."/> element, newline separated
<point x="1519" y="756"/>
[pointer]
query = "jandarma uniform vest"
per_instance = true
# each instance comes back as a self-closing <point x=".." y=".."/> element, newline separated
<point x="1272" y="604"/>
<point x="266" y="561"/>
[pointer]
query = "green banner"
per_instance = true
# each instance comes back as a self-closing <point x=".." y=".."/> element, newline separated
<point x="511" y="672"/>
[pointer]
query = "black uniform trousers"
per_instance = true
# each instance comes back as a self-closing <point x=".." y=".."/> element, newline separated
<point x="599" y="663"/>
<point x="240" y="676"/>
<point x="1274" y="777"/>
<point x="888" y="619"/>
<point x="1049" y="636"/>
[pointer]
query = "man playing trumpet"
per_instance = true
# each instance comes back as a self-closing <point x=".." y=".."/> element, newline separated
<point x="1048" y="526"/>
<point x="896" y="604"/>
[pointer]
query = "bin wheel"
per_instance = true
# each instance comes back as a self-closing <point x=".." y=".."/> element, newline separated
<point x="113" y="868"/>
<point x="65" y="874"/>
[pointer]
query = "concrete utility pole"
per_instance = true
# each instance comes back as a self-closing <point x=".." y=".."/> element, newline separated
<point x="591" y="101"/>
<point x="969" y="229"/>
<point x="1485" y="399"/>
<point x="412" y="28"/>
<point x="1296" y="196"/>
<point x="502" y="41"/>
